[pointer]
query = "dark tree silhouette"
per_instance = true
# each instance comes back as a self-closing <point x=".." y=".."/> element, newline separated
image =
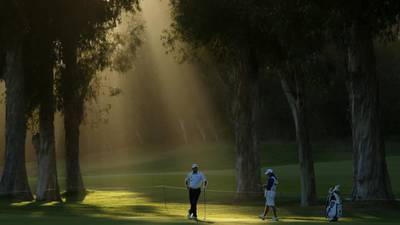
<point x="360" y="23"/>
<point x="14" y="26"/>
<point x="85" y="50"/>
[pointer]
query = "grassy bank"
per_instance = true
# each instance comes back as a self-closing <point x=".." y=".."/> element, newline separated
<point x="144" y="186"/>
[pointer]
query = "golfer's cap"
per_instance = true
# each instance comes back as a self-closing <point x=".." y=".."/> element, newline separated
<point x="268" y="171"/>
<point x="194" y="166"/>
<point x="337" y="188"/>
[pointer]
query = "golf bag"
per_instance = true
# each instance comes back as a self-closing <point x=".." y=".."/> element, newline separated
<point x="333" y="205"/>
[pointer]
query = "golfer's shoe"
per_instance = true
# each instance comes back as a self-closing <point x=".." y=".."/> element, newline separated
<point x="275" y="219"/>
<point x="190" y="215"/>
<point x="261" y="216"/>
<point x="335" y="219"/>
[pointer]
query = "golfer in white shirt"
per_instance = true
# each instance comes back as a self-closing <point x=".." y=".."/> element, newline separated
<point x="194" y="181"/>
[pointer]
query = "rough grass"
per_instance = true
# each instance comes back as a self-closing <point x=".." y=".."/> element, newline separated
<point x="128" y="188"/>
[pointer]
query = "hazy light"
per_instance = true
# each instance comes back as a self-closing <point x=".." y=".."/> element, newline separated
<point x="162" y="103"/>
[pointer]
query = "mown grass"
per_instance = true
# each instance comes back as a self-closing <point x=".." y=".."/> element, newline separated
<point x="126" y="187"/>
<point x="129" y="207"/>
<point x="211" y="156"/>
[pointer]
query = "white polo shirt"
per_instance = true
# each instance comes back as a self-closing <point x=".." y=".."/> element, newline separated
<point x="195" y="180"/>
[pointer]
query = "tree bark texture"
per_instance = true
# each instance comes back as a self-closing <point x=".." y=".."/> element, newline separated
<point x="293" y="87"/>
<point x="14" y="181"/>
<point x="47" y="186"/>
<point x="246" y="109"/>
<point x="73" y="113"/>
<point x="370" y="175"/>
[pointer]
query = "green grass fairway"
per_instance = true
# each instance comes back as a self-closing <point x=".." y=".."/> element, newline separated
<point x="129" y="207"/>
<point x="147" y="189"/>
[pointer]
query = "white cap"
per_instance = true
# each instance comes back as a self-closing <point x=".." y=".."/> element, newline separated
<point x="194" y="165"/>
<point x="336" y="188"/>
<point x="268" y="171"/>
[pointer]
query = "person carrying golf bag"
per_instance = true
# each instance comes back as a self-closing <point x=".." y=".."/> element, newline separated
<point x="334" y="204"/>
<point x="194" y="181"/>
<point x="269" y="194"/>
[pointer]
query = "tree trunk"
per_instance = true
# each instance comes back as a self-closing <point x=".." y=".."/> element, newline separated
<point x="14" y="181"/>
<point x="2" y="62"/>
<point x="246" y="111"/>
<point x="47" y="186"/>
<point x="183" y="129"/>
<point x="370" y="175"/>
<point x="73" y="113"/>
<point x="295" y="94"/>
<point x="202" y="131"/>
<point x="75" y="188"/>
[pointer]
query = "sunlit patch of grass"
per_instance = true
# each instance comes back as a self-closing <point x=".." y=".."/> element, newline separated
<point x="20" y="204"/>
<point x="126" y="196"/>
<point x="112" y="207"/>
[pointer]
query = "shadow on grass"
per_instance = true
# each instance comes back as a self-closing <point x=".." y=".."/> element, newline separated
<point x="352" y="212"/>
<point x="113" y="208"/>
<point x="33" y="213"/>
<point x="204" y="221"/>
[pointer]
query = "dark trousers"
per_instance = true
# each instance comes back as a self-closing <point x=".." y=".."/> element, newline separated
<point x="194" y="195"/>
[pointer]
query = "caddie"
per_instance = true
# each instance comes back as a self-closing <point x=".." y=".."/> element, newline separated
<point x="270" y="194"/>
